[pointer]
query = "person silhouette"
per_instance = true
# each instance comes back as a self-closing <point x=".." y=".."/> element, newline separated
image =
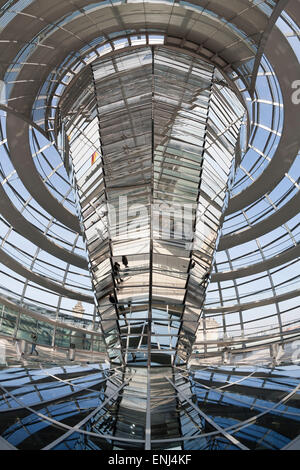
<point x="116" y="271"/>
<point x="33" y="346"/>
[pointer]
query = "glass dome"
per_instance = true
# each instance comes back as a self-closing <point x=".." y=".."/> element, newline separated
<point x="185" y="104"/>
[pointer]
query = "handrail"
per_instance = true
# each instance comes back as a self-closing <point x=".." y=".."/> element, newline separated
<point x="39" y="316"/>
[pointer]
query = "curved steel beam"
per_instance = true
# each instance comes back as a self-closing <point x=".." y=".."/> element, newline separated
<point x="282" y="57"/>
<point x="9" y="109"/>
<point x="14" y="265"/>
<point x="106" y="20"/>
<point x="254" y="304"/>
<point x="17" y="132"/>
<point x="249" y="194"/>
<point x="284" y="257"/>
<point x="29" y="231"/>
<point x="278" y="218"/>
<point x="43" y="318"/>
<point x="280" y="6"/>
